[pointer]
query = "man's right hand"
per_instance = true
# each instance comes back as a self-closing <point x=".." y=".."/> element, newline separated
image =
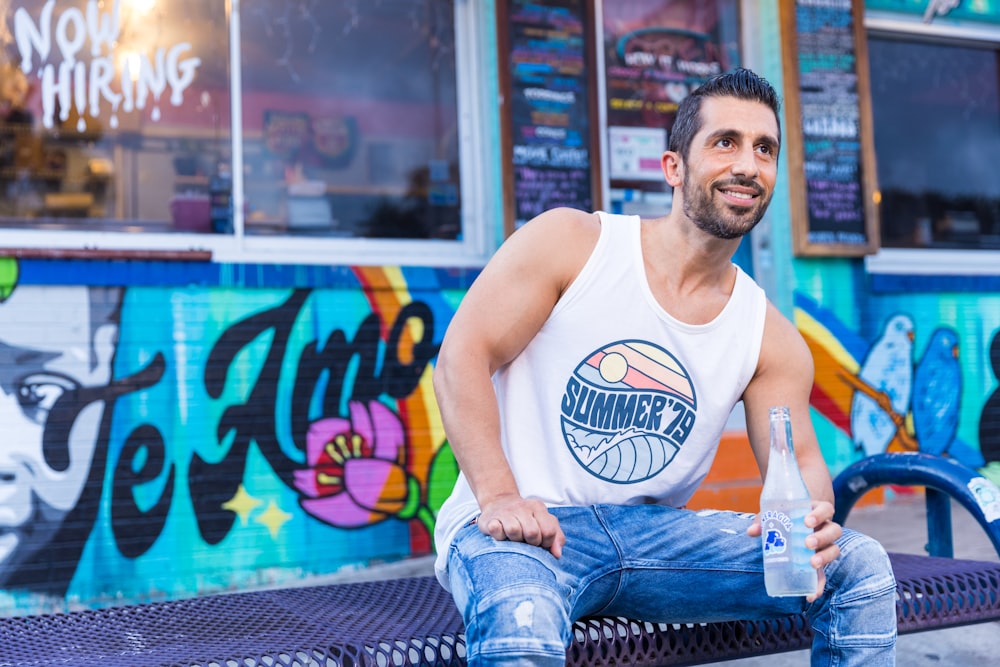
<point x="518" y="520"/>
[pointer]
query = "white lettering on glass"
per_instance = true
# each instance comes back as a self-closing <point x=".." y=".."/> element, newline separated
<point x="938" y="8"/>
<point x="72" y="83"/>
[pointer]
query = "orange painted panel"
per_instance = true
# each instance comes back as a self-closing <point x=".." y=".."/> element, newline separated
<point x="734" y="482"/>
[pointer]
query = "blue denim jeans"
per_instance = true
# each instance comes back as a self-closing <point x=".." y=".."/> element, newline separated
<point x="658" y="564"/>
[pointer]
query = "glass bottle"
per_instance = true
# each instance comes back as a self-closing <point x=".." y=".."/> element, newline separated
<point x="784" y="504"/>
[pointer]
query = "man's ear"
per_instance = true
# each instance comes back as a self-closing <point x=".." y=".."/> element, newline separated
<point x="673" y="168"/>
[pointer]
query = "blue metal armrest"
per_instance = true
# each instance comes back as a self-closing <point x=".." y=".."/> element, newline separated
<point x="943" y="478"/>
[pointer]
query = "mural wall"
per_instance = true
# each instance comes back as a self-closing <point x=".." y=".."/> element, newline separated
<point x="168" y="441"/>
<point x="215" y="427"/>
<point x="915" y="372"/>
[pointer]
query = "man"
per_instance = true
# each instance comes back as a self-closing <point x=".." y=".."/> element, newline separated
<point x="57" y="346"/>
<point x="584" y="383"/>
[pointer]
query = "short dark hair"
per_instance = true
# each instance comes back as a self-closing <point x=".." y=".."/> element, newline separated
<point x="740" y="83"/>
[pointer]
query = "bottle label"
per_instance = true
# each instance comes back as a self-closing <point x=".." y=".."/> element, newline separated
<point x="777" y="526"/>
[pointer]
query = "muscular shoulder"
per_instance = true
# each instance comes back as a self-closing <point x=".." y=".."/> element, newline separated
<point x="784" y="352"/>
<point x="518" y="288"/>
<point x="557" y="242"/>
<point x="563" y="226"/>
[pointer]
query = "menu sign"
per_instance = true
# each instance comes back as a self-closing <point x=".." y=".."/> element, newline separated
<point x="650" y="69"/>
<point x="549" y="106"/>
<point x="830" y="150"/>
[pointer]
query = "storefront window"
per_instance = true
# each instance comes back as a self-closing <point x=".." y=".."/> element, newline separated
<point x="265" y="130"/>
<point x="114" y="114"/>
<point x="936" y="108"/>
<point x="350" y="119"/>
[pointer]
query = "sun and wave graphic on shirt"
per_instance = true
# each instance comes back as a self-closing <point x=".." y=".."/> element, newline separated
<point x="627" y="410"/>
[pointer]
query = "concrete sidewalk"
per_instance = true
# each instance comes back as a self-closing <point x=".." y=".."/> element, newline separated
<point x="901" y="526"/>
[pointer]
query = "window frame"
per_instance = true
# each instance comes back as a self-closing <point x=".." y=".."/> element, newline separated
<point x="932" y="261"/>
<point x="479" y="161"/>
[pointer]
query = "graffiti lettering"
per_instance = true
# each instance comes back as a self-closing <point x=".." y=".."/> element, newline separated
<point x="400" y="378"/>
<point x="141" y="462"/>
<point x="64" y="540"/>
<point x="212" y="484"/>
<point x="327" y="378"/>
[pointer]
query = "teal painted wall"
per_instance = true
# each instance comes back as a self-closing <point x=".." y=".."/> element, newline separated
<point x="168" y="440"/>
<point x="940" y="403"/>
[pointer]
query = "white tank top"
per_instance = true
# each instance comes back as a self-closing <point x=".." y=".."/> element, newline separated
<point x="614" y="400"/>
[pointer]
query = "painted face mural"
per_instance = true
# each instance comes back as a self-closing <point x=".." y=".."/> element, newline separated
<point x="52" y="359"/>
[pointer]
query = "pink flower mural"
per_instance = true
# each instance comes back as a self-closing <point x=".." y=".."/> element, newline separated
<point x="357" y="472"/>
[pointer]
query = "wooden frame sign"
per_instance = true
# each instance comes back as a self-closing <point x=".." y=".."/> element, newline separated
<point x="548" y="110"/>
<point x="828" y="140"/>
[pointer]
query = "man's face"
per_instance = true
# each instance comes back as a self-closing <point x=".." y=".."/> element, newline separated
<point x="46" y="351"/>
<point x="731" y="167"/>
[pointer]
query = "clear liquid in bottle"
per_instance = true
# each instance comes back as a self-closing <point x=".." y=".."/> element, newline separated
<point x="784" y="504"/>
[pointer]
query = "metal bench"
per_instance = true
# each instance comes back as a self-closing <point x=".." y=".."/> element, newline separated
<point x="412" y="621"/>
<point x="943" y="479"/>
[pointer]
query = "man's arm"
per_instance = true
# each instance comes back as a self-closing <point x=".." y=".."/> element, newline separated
<point x="785" y="377"/>
<point x="503" y="310"/>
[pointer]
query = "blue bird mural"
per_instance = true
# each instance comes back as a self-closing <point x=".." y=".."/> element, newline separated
<point x="887" y="368"/>
<point x="937" y="389"/>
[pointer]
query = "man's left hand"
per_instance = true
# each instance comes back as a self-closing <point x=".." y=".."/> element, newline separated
<point x="822" y="541"/>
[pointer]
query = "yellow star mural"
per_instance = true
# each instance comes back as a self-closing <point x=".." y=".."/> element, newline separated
<point x="274" y="518"/>
<point x="242" y="504"/>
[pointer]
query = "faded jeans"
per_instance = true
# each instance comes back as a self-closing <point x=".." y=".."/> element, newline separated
<point x="658" y="564"/>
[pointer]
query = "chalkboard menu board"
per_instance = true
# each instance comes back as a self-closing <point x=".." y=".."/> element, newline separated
<point x="547" y="92"/>
<point x="830" y="153"/>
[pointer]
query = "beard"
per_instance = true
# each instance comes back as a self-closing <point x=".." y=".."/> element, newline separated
<point x="721" y="220"/>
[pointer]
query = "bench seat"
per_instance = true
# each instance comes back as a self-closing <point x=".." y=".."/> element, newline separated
<point x="413" y="621"/>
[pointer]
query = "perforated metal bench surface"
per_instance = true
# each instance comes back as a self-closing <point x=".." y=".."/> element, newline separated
<point x="412" y="621"/>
